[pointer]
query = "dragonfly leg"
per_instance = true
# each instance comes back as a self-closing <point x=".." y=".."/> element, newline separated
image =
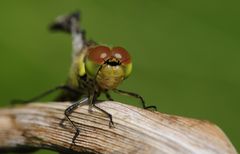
<point x="67" y="113"/>
<point x="126" y="93"/>
<point x="64" y="87"/>
<point x="111" y="124"/>
<point x="92" y="103"/>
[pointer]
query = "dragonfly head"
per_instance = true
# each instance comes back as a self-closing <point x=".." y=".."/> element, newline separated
<point x="109" y="65"/>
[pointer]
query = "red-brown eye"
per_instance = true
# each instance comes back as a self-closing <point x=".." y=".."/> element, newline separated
<point x="121" y="54"/>
<point x="99" y="54"/>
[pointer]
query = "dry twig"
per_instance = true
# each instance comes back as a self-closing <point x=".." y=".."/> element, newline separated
<point x="136" y="130"/>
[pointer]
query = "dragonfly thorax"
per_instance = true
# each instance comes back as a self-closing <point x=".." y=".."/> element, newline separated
<point x="110" y="76"/>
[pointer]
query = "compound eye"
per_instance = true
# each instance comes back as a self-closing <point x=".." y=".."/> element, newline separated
<point x="121" y="54"/>
<point x="99" y="54"/>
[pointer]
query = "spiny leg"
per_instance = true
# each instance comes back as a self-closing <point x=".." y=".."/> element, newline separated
<point x="111" y="124"/>
<point x="92" y="103"/>
<point x="64" y="87"/>
<point x="68" y="111"/>
<point x="136" y="96"/>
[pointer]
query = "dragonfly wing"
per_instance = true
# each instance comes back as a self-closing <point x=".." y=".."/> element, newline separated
<point x="70" y="24"/>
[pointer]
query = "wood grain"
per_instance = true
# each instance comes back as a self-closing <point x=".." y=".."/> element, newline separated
<point x="136" y="130"/>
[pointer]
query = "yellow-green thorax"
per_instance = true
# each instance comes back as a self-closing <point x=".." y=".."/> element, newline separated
<point x="109" y="77"/>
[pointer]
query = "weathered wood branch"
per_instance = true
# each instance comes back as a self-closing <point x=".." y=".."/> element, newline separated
<point x="136" y="130"/>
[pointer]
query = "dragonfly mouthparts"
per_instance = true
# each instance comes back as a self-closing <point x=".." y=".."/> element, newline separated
<point x="113" y="62"/>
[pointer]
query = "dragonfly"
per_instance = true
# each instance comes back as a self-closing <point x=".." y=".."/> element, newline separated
<point x="96" y="69"/>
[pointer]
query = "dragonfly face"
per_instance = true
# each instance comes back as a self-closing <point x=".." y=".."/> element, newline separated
<point x="109" y="66"/>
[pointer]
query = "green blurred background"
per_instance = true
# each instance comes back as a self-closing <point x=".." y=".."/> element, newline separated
<point x="185" y="53"/>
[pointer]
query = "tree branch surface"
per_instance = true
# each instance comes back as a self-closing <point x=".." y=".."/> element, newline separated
<point x="42" y="126"/>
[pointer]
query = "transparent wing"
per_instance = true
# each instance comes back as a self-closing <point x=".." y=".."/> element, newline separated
<point x="70" y="24"/>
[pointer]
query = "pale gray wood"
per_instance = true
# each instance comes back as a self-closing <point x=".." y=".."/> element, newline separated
<point x="136" y="130"/>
